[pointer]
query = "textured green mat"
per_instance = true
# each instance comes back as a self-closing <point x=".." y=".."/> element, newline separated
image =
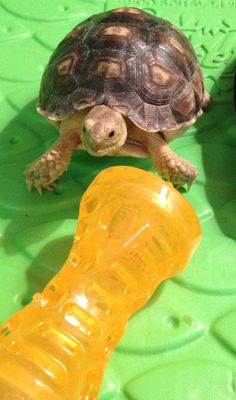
<point x="182" y="345"/>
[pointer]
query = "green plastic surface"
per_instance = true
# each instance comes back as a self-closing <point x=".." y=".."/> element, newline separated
<point x="182" y="345"/>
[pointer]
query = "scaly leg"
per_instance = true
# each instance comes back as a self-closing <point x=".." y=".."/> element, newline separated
<point x="206" y="101"/>
<point x="43" y="172"/>
<point x="168" y="164"/>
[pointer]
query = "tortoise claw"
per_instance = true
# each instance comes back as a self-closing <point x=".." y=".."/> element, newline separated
<point x="29" y="185"/>
<point x="39" y="189"/>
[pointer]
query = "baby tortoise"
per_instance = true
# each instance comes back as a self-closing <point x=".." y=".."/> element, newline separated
<point x="122" y="82"/>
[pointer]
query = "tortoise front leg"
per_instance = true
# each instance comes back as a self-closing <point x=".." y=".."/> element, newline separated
<point x="43" y="172"/>
<point x="168" y="164"/>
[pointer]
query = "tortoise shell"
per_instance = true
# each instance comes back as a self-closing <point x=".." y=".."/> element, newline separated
<point x="133" y="62"/>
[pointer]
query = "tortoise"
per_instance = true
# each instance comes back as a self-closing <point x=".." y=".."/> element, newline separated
<point x="122" y="82"/>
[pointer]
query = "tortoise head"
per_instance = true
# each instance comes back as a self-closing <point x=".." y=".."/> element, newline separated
<point x="103" y="131"/>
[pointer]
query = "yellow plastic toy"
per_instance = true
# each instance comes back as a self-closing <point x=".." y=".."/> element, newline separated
<point x="134" y="231"/>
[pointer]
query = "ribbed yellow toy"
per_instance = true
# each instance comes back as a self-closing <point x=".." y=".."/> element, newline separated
<point x="134" y="231"/>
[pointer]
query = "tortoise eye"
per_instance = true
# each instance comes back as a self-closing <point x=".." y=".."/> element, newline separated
<point x="111" y="134"/>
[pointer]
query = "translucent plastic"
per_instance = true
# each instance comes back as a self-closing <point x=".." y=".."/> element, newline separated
<point x="134" y="231"/>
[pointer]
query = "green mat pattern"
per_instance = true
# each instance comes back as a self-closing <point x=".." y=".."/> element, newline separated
<point x="182" y="345"/>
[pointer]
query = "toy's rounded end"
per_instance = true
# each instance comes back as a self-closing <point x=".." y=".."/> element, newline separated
<point x="154" y="202"/>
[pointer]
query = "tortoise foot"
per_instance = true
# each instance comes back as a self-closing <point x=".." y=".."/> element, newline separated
<point x="43" y="172"/>
<point x="178" y="171"/>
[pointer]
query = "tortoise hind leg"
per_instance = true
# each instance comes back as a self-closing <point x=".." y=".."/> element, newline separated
<point x="169" y="165"/>
<point x="206" y="101"/>
<point x="43" y="172"/>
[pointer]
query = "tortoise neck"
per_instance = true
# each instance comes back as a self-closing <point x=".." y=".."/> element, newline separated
<point x="73" y="122"/>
